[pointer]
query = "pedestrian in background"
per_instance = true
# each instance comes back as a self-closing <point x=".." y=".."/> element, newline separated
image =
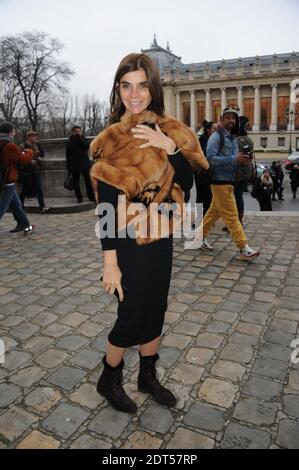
<point x="223" y="158"/>
<point x="30" y="174"/>
<point x="77" y="162"/>
<point x="202" y="177"/>
<point x="10" y="156"/>
<point x="263" y="190"/>
<point x="294" y="178"/>
<point x="244" y="171"/>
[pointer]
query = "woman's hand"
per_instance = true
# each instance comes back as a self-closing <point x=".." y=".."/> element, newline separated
<point x="112" y="274"/>
<point x="155" y="138"/>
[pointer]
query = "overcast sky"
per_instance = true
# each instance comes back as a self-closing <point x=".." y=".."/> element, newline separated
<point x="97" y="34"/>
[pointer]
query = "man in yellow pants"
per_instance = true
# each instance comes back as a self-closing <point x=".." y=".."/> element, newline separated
<point x="222" y="154"/>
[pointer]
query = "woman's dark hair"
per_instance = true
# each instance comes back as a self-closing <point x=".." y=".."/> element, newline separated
<point x="207" y="126"/>
<point x="132" y="63"/>
<point x="243" y="120"/>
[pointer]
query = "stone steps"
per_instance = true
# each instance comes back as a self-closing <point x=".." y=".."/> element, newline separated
<point x="59" y="205"/>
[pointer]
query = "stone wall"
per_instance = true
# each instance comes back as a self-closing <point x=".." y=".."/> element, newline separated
<point x="54" y="169"/>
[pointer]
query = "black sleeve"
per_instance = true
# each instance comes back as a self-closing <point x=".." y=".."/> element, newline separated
<point x="109" y="194"/>
<point x="68" y="157"/>
<point x="41" y="150"/>
<point x="183" y="172"/>
<point x="84" y="143"/>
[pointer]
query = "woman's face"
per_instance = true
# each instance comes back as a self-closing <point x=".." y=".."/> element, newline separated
<point x="134" y="92"/>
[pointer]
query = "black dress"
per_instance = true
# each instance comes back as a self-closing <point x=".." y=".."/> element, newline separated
<point x="146" y="274"/>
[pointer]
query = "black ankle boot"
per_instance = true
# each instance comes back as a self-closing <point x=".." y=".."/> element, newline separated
<point x="17" y="229"/>
<point x="149" y="383"/>
<point x="110" y="387"/>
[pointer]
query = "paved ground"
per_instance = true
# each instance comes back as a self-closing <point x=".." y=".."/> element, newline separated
<point x="226" y="350"/>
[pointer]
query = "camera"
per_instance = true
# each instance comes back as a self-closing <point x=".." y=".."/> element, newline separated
<point x="246" y="151"/>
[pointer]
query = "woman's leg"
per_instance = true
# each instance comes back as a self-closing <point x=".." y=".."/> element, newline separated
<point x="114" y="355"/>
<point x="148" y="382"/>
<point x="150" y="349"/>
<point x="110" y="382"/>
<point x="39" y="190"/>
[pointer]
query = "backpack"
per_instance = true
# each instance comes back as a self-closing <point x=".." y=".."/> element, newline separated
<point x="246" y="173"/>
<point x="3" y="167"/>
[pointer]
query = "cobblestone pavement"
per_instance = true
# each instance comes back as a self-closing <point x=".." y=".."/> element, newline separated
<point x="226" y="353"/>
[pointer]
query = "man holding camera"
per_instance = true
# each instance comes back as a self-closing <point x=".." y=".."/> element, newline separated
<point x="223" y="155"/>
<point x="77" y="162"/>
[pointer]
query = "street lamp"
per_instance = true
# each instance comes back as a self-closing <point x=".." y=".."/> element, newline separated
<point x="290" y="116"/>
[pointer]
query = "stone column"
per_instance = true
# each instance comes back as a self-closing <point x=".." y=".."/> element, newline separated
<point x="274" y="114"/>
<point x="178" y="105"/>
<point x="292" y="107"/>
<point x="169" y="100"/>
<point x="223" y="99"/>
<point x="193" y="110"/>
<point x="240" y="100"/>
<point x="208" y="104"/>
<point x="257" y="109"/>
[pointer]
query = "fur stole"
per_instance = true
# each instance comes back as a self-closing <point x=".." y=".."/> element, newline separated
<point x="145" y="175"/>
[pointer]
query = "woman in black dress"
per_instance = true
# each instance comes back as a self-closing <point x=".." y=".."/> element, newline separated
<point x="139" y="274"/>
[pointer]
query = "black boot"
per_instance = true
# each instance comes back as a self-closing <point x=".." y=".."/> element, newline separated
<point x="17" y="229"/>
<point x="110" y="387"/>
<point x="149" y="383"/>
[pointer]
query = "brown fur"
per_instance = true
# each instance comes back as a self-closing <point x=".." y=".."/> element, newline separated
<point x="121" y="163"/>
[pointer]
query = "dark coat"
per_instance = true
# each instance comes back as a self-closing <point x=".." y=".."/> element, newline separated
<point x="294" y="177"/>
<point x="77" y="158"/>
<point x="38" y="154"/>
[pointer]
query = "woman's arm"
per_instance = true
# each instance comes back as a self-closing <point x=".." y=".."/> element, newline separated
<point x="155" y="138"/>
<point x="111" y="274"/>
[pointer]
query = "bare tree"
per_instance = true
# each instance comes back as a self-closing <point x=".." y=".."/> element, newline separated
<point x="93" y="115"/>
<point x="59" y="116"/>
<point x="12" y="104"/>
<point x="30" y="61"/>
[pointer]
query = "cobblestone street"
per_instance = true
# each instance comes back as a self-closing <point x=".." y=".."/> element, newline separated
<point x="226" y="351"/>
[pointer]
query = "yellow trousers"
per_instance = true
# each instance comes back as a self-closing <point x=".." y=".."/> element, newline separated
<point x="224" y="206"/>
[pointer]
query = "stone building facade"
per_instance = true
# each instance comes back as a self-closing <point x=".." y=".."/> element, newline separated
<point x="264" y="88"/>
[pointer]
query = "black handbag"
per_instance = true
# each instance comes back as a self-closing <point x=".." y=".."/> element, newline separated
<point x="69" y="183"/>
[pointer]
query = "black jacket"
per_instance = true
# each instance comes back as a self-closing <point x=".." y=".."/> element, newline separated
<point x="77" y="154"/>
<point x="294" y="177"/>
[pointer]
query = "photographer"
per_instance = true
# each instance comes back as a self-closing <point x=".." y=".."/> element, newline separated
<point x="245" y="166"/>
<point x="77" y="162"/>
